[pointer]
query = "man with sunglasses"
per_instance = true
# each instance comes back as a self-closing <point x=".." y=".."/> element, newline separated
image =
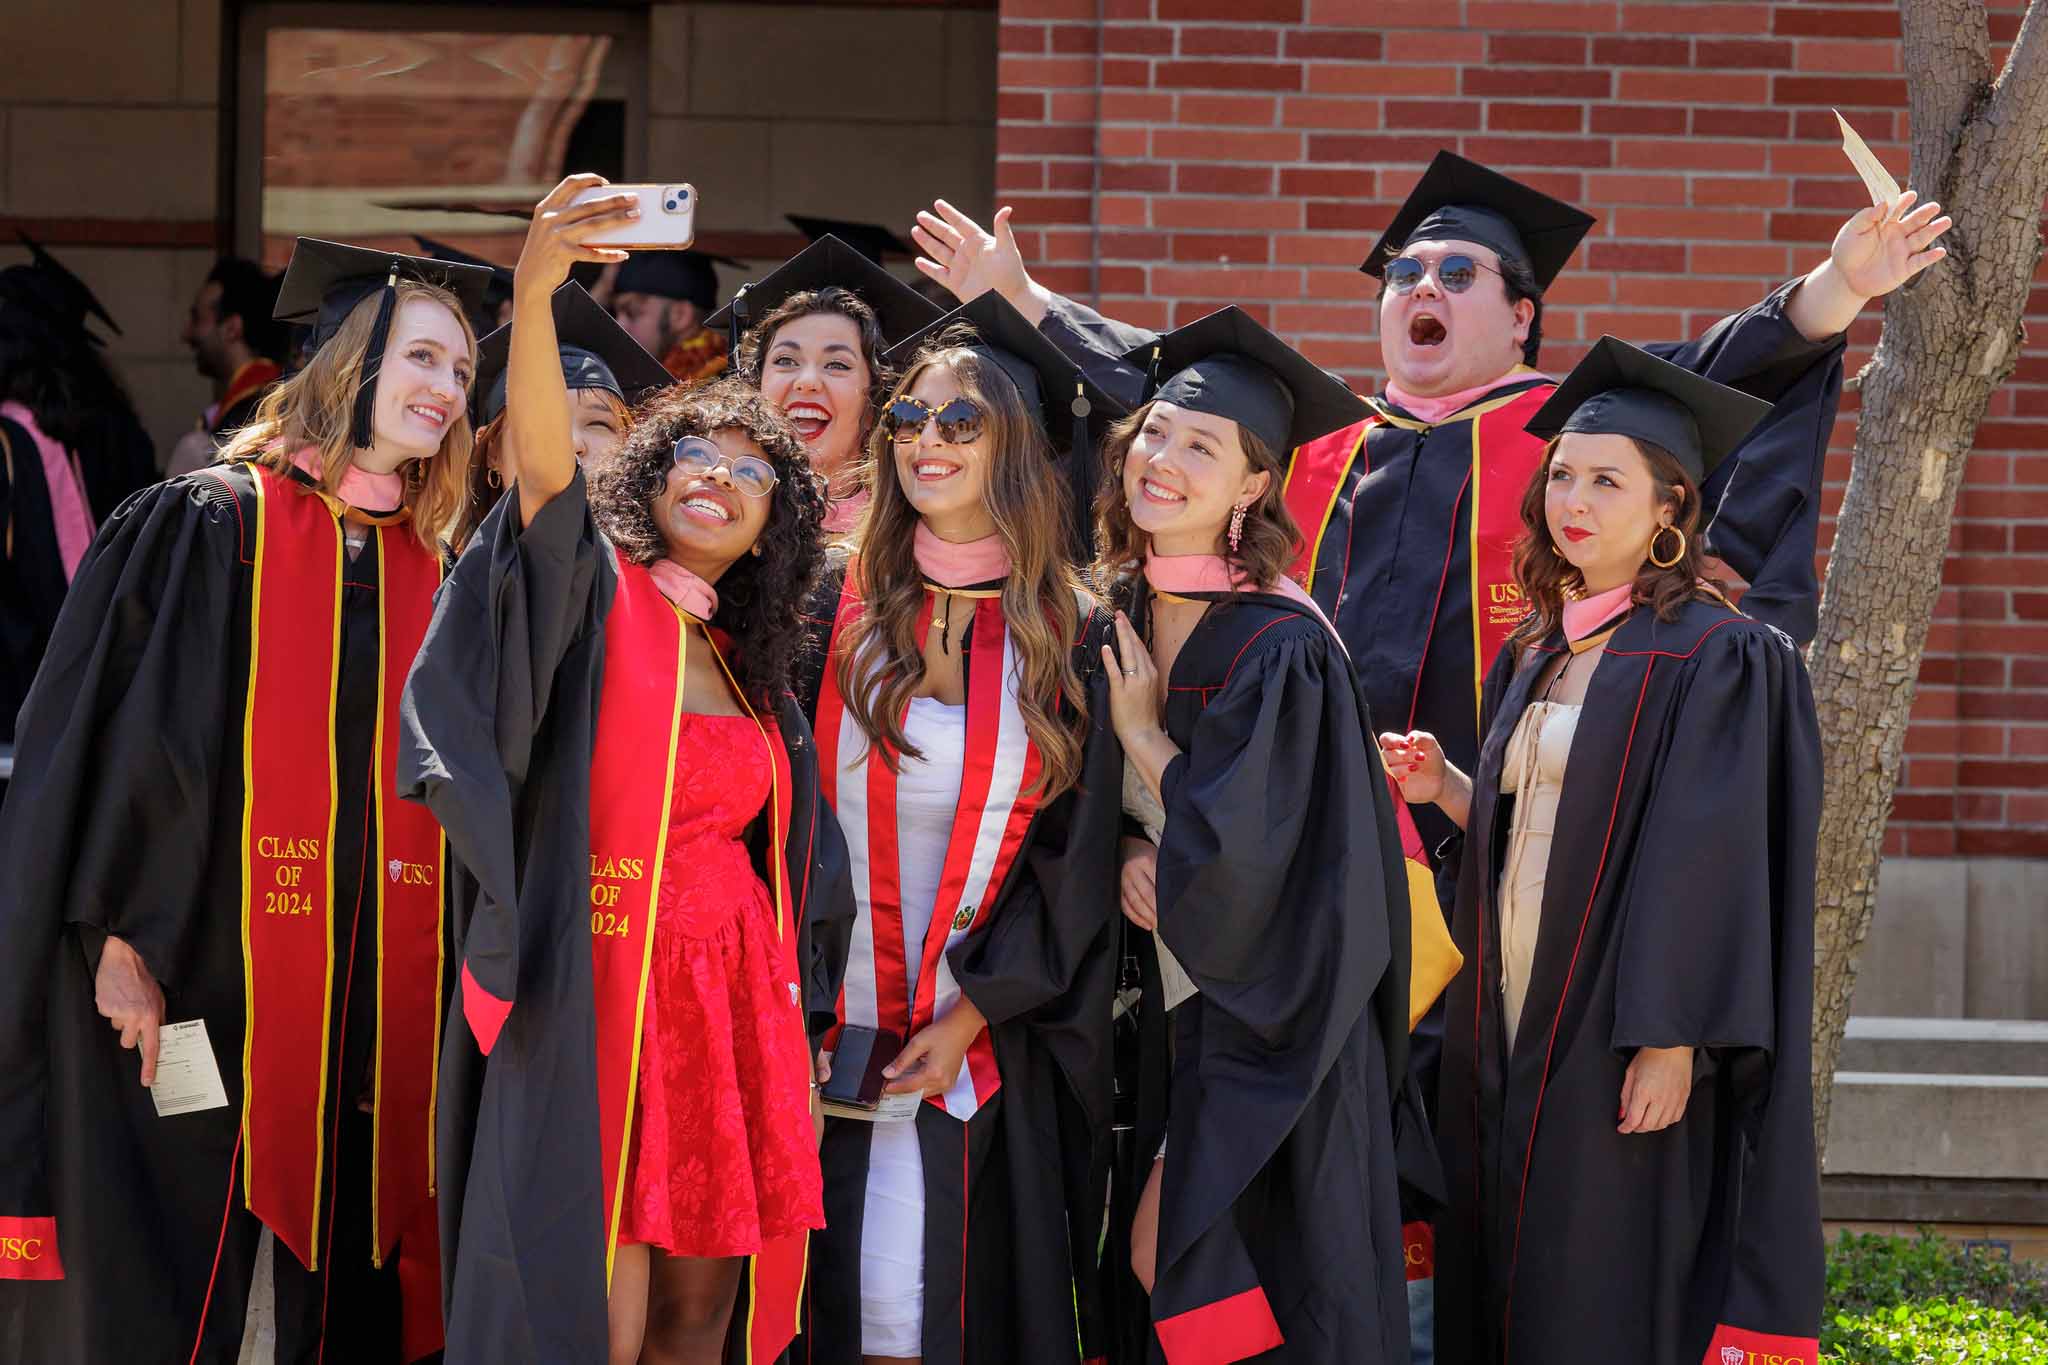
<point x="1410" y="516"/>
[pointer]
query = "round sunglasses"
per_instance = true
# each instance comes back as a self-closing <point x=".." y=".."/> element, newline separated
<point x="960" y="420"/>
<point x="1454" y="274"/>
<point x="752" y="475"/>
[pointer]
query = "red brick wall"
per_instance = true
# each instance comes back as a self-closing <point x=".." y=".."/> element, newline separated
<point x="1180" y="154"/>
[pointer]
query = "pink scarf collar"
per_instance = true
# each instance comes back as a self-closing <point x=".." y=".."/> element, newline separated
<point x="1213" y="573"/>
<point x="960" y="566"/>
<point x="684" y="588"/>
<point x="842" y="514"/>
<point x="68" y="505"/>
<point x="358" y="487"/>
<point x="1434" y="410"/>
<point x="1583" y="617"/>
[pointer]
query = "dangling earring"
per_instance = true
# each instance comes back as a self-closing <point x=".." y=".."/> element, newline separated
<point x="493" y="477"/>
<point x="1237" y="525"/>
<point x="1676" y="555"/>
<point x="757" y="549"/>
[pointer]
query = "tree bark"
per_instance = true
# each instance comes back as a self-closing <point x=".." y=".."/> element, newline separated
<point x="1950" y="338"/>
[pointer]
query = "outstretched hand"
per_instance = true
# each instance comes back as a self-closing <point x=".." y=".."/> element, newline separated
<point x="1885" y="245"/>
<point x="971" y="260"/>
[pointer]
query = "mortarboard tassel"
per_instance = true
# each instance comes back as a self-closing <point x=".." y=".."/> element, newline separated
<point x="362" y="414"/>
<point x="1151" y="377"/>
<point x="739" y="329"/>
<point x="1082" y="462"/>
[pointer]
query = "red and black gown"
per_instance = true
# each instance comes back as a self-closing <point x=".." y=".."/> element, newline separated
<point x="1015" y="1155"/>
<point x="510" y="713"/>
<point x="126" y="817"/>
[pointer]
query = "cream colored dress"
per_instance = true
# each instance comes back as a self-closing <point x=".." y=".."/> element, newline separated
<point x="1534" y="772"/>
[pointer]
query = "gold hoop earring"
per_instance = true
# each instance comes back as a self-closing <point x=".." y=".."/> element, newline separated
<point x="1676" y="555"/>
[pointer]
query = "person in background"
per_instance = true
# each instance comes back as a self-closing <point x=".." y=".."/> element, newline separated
<point x="238" y="347"/>
<point x="664" y="298"/>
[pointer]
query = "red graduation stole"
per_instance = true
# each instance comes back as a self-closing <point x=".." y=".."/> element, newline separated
<point x="632" y="783"/>
<point x="288" y="817"/>
<point x="996" y="809"/>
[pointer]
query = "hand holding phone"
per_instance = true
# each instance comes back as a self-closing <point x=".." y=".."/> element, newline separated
<point x="667" y="219"/>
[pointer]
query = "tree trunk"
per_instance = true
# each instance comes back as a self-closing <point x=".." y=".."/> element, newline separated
<point x="1949" y="340"/>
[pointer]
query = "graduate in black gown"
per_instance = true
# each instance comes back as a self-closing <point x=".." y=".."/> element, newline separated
<point x="1269" y="1227"/>
<point x="202" y="830"/>
<point x="964" y="733"/>
<point x="1626" y="1110"/>
<point x="602" y="618"/>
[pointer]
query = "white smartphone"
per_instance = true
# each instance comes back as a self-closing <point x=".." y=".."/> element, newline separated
<point x="667" y="221"/>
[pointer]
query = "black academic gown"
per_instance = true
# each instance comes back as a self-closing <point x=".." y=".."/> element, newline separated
<point x="501" y="725"/>
<point x="125" y="818"/>
<point x="1393" y="569"/>
<point x="32" y="582"/>
<point x="1677" y="910"/>
<point x="1014" y="1196"/>
<point x="1281" y="891"/>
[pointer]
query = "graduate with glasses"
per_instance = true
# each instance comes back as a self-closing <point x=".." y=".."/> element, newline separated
<point x="601" y="716"/>
<point x="964" y="739"/>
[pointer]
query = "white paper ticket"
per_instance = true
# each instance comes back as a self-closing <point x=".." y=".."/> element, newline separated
<point x="187" y="1074"/>
<point x="1883" y="189"/>
<point x="890" y="1109"/>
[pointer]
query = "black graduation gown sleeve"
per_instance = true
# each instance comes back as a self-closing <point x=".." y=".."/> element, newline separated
<point x="827" y="931"/>
<point x="1717" y="950"/>
<point x="500" y="716"/>
<point x="108" y="823"/>
<point x="1763" y="505"/>
<point x="1280" y="880"/>
<point x="1097" y="344"/>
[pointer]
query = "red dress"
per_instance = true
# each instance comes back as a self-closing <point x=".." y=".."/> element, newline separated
<point x="723" y="1156"/>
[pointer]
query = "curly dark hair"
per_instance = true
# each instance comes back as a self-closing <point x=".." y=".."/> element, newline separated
<point x="1271" y="543"/>
<point x="1544" y="576"/>
<point x="761" y="597"/>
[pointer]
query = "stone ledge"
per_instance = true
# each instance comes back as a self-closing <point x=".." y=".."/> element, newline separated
<point x="1894" y="1123"/>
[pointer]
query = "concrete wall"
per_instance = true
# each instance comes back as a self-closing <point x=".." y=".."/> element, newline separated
<point x="1958" y="938"/>
<point x="109" y="116"/>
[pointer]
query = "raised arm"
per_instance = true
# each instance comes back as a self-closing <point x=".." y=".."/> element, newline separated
<point x="540" y="454"/>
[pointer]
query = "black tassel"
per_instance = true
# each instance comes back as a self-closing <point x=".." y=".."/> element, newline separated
<point x="362" y="415"/>
<point x="1082" y="462"/>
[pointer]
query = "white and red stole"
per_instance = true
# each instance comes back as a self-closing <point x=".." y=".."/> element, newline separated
<point x="632" y="783"/>
<point x="290" y="784"/>
<point x="996" y="809"/>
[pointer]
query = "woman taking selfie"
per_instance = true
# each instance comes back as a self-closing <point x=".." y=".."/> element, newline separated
<point x="1276" y="902"/>
<point x="1626" y="1111"/>
<point x="201" y="812"/>
<point x="821" y="322"/>
<point x="601" y="716"/>
<point x="965" y="743"/>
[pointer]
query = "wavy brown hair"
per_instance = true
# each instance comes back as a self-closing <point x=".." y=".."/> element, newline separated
<point x="835" y="301"/>
<point x="1543" y="575"/>
<point x="1271" y="539"/>
<point x="315" y="406"/>
<point x="760" y="597"/>
<point x="881" y="658"/>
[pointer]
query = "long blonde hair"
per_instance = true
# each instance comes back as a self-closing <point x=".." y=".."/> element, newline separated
<point x="314" y="408"/>
<point x="881" y="659"/>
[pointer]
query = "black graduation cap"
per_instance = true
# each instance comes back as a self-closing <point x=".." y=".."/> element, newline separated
<point x="1623" y="390"/>
<point x="1463" y="201"/>
<point x="54" y="292"/>
<point x="484" y="319"/>
<point x="1052" y="385"/>
<point x="871" y="240"/>
<point x="597" y="353"/>
<point x="326" y="280"/>
<point x="1227" y="365"/>
<point x="688" y="275"/>
<point x="900" y="309"/>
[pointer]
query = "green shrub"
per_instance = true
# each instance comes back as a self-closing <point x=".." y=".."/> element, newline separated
<point x="1927" y="1301"/>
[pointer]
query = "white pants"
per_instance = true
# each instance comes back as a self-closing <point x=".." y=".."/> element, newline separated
<point x="892" y="1244"/>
